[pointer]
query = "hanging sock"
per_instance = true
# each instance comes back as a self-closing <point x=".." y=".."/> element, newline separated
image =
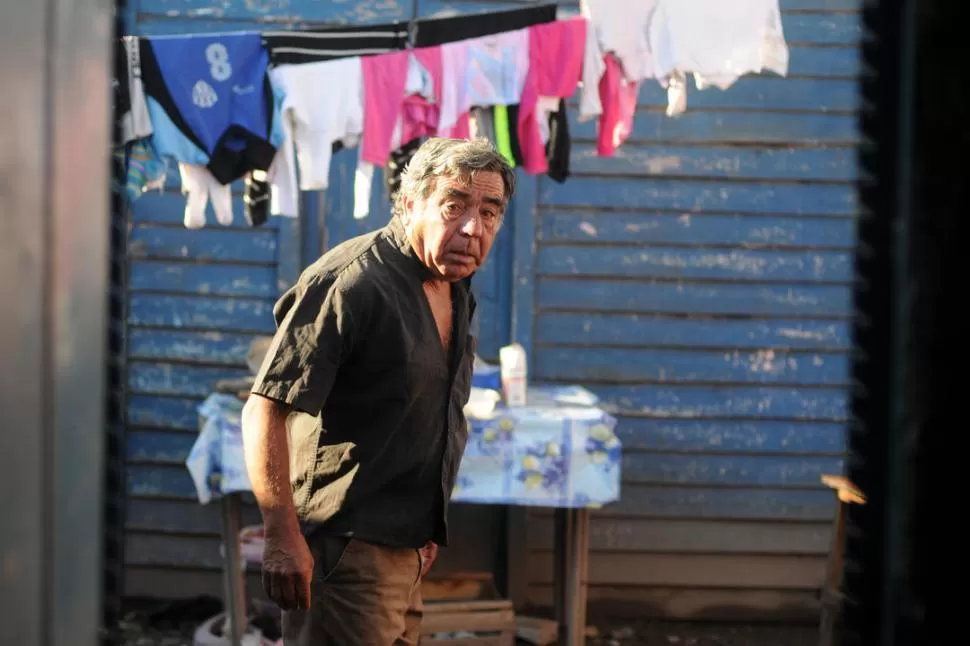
<point x="200" y="187"/>
<point x="144" y="169"/>
<point x="256" y="199"/>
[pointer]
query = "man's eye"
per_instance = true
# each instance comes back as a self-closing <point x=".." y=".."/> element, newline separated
<point x="452" y="208"/>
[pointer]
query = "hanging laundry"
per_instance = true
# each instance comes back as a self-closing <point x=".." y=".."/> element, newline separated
<point x="200" y="187"/>
<point x="556" y="52"/>
<point x="421" y="106"/>
<point x="256" y="199"/>
<point x="142" y="168"/>
<point x="316" y="45"/>
<point x="416" y="115"/>
<point x="396" y="164"/>
<point x="485" y="71"/>
<point x="214" y="89"/>
<point x="482" y="124"/>
<point x="558" y="146"/>
<point x="510" y="124"/>
<point x="503" y="139"/>
<point x="130" y="107"/>
<point x="717" y="42"/>
<point x="438" y="31"/>
<point x="314" y="116"/>
<point x="618" y="98"/>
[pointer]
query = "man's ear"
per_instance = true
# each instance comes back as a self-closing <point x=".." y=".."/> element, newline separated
<point x="407" y="210"/>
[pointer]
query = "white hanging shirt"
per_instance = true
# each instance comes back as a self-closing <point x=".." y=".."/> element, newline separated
<point x="323" y="103"/>
<point x="623" y="28"/>
<point x="718" y="41"/>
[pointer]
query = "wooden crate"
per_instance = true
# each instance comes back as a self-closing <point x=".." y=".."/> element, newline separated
<point x="482" y="620"/>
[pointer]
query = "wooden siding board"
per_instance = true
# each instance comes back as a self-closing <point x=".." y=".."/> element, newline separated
<point x="834" y="164"/>
<point x="765" y="92"/>
<point x="698" y="298"/>
<point x="174" y="345"/>
<point x="636" y="365"/>
<point x="160" y="446"/>
<point x="246" y="246"/>
<point x="592" y="329"/>
<point x="202" y="279"/>
<point x="784" y="572"/>
<point x="731" y="470"/>
<point x="741" y="503"/>
<point x="638" y="228"/>
<point x="693" y="196"/>
<point x="733" y="401"/>
<point x="712" y="436"/>
<point x="731" y="605"/>
<point x="180" y="517"/>
<point x="177" y="413"/>
<point x="178" y="379"/>
<point x="217" y="313"/>
<point x="693" y="263"/>
<point x="692" y="536"/>
<point x="159" y="480"/>
<point x="746" y="127"/>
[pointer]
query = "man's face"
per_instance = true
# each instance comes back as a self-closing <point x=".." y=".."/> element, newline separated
<point x="453" y="229"/>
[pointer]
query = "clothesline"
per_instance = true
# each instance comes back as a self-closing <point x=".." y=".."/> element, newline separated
<point x="272" y="108"/>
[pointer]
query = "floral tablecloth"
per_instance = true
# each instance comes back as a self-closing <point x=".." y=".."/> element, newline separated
<point x="551" y="454"/>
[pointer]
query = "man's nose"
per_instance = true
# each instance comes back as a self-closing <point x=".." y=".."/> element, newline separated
<point x="472" y="225"/>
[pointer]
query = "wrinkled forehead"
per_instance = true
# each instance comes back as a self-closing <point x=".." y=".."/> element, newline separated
<point x="485" y="186"/>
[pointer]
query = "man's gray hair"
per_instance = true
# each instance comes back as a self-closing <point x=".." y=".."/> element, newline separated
<point x="454" y="159"/>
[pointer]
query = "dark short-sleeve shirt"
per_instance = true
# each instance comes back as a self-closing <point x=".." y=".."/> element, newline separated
<point x="375" y="448"/>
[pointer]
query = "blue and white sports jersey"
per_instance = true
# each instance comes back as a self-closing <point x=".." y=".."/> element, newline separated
<point x="215" y="92"/>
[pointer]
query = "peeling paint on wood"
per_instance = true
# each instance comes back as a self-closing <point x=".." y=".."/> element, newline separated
<point x="241" y="314"/>
<point x="636" y="365"/>
<point x="693" y="196"/>
<point x="672" y="262"/>
<point x="203" y="279"/>
<point x="735" y="127"/>
<point x="711" y="436"/>
<point x="554" y="328"/>
<point x="728" y="402"/>
<point x="693" y="297"/>
<point x="672" y="228"/>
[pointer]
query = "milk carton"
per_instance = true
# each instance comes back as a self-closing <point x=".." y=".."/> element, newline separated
<point x="514" y="368"/>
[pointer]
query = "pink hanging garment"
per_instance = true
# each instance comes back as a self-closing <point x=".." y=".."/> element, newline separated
<point x="385" y="77"/>
<point x="619" y="99"/>
<point x="419" y="115"/>
<point x="555" y="66"/>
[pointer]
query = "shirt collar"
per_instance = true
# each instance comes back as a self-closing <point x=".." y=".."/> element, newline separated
<point x="394" y="232"/>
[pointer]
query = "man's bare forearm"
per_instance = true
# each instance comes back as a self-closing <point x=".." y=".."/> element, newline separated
<point x="266" y="449"/>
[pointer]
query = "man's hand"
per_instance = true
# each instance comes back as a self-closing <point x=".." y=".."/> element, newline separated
<point x="287" y="570"/>
<point x="428" y="554"/>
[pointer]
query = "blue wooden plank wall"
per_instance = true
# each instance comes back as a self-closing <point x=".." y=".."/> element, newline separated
<point x="698" y="281"/>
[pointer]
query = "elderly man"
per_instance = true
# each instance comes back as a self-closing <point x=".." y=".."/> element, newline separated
<point x="354" y="430"/>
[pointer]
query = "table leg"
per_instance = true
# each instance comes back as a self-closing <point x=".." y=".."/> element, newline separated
<point x="234" y="579"/>
<point x="577" y="571"/>
<point x="560" y="565"/>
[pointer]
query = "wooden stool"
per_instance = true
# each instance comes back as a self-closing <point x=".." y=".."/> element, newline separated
<point x="846" y="494"/>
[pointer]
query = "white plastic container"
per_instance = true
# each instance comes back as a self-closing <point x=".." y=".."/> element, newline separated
<point x="514" y="367"/>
